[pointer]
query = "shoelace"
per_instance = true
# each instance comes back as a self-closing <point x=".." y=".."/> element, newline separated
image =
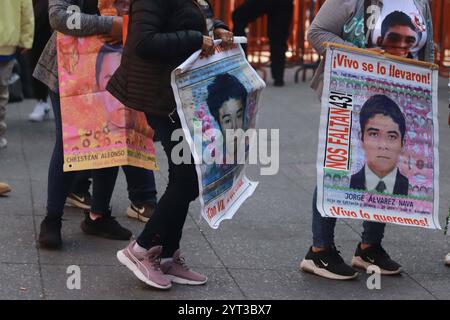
<point x="182" y="262"/>
<point x="155" y="262"/>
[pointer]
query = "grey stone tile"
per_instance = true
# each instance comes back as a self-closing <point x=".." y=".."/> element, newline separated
<point x="20" y="282"/>
<point x="101" y="282"/>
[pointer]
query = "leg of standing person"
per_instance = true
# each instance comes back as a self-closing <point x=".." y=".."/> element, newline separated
<point x="5" y="73"/>
<point x="79" y="195"/>
<point x="42" y="108"/>
<point x="167" y="222"/>
<point x="162" y="233"/>
<point x="141" y="192"/>
<point x="59" y="184"/>
<point x="279" y="24"/>
<point x="98" y="221"/>
<point x="248" y="12"/>
<point x="323" y="259"/>
<point x="370" y="252"/>
<point x="6" y="68"/>
<point x="42" y="34"/>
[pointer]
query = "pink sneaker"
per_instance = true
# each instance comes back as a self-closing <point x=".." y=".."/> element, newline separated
<point x="178" y="272"/>
<point x="145" y="266"/>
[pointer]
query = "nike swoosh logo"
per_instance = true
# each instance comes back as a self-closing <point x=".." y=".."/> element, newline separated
<point x="324" y="264"/>
<point x="81" y="199"/>
<point x="371" y="260"/>
<point x="139" y="210"/>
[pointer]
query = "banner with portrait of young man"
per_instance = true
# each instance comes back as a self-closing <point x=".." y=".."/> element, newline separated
<point x="217" y="101"/>
<point x="98" y="131"/>
<point x="378" y="139"/>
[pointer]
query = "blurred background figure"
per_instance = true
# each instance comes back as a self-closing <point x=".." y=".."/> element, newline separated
<point x="16" y="33"/>
<point x="279" y="14"/>
<point x="41" y="37"/>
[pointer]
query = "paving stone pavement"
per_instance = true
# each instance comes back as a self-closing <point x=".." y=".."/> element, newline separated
<point x="254" y="256"/>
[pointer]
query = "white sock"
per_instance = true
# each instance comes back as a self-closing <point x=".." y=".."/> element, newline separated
<point x="164" y="260"/>
<point x="139" y="249"/>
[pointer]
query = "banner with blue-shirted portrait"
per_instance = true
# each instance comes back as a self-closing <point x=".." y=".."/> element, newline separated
<point x="378" y="139"/>
<point x="217" y="101"/>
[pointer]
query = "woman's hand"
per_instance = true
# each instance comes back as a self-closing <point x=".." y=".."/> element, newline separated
<point x="207" y="47"/>
<point x="226" y="37"/>
<point x="115" y="35"/>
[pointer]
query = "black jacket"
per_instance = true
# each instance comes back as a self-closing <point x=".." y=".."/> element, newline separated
<point x="358" y="181"/>
<point x="161" y="35"/>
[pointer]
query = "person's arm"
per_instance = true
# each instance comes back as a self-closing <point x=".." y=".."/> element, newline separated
<point x="427" y="52"/>
<point x="328" y="24"/>
<point x="64" y="20"/>
<point x="26" y="25"/>
<point x="148" y="19"/>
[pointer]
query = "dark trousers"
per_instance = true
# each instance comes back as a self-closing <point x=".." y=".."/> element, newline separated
<point x="140" y="183"/>
<point x="166" y="224"/>
<point x="279" y="14"/>
<point x="323" y="229"/>
<point x="60" y="183"/>
<point x="42" y="34"/>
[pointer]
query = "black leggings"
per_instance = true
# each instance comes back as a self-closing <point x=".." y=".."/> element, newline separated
<point x="166" y="224"/>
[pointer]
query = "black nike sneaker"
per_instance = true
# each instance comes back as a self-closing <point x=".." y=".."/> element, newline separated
<point x="328" y="264"/>
<point x="375" y="255"/>
<point x="105" y="227"/>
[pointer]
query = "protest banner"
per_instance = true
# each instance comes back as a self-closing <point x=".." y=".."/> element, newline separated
<point x="378" y="139"/>
<point x="98" y="131"/>
<point x="215" y="94"/>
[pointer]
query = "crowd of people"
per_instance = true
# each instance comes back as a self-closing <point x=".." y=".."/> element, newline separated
<point x="161" y="35"/>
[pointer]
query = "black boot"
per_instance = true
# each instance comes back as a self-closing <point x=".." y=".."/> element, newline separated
<point x="50" y="234"/>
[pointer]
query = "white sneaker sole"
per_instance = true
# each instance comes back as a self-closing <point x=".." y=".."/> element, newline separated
<point x="310" y="266"/>
<point x="357" y="262"/>
<point x="130" y="265"/>
<point x="76" y="204"/>
<point x="133" y="215"/>
<point x="179" y="280"/>
<point x="46" y="116"/>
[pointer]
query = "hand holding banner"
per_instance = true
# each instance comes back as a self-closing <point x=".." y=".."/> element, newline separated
<point x="213" y="95"/>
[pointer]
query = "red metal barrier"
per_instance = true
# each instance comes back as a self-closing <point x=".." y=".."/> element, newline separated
<point x="441" y="23"/>
<point x="300" y="53"/>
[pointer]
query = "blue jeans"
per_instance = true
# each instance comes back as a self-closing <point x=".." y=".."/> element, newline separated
<point x="323" y="229"/>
